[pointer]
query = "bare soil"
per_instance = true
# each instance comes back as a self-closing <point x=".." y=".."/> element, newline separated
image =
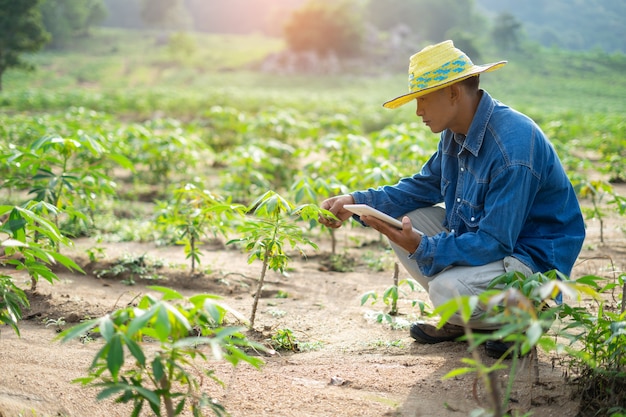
<point x="353" y="366"/>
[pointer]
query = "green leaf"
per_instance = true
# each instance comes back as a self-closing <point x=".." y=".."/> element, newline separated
<point x="135" y="350"/>
<point x="13" y="243"/>
<point x="447" y="310"/>
<point x="178" y="316"/>
<point x="168" y="293"/>
<point x="458" y="372"/>
<point x="122" y="161"/>
<point x="112" y="390"/>
<point x="391" y="292"/>
<point x="15" y="226"/>
<point x="77" y="331"/>
<point x="180" y="407"/>
<point x="115" y="356"/>
<point x="157" y="369"/>
<point x="192" y="342"/>
<point x="5" y="209"/>
<point x="590" y="280"/>
<point x="162" y="325"/>
<point x="141" y="319"/>
<point x="198" y="300"/>
<point x="534" y="332"/>
<point x="65" y="261"/>
<point x="107" y="328"/>
<point x="548" y="344"/>
<point x="215" y="311"/>
<point x="83" y="381"/>
<point x="151" y="396"/>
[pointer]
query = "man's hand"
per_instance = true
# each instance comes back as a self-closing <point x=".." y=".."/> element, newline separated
<point x="335" y="206"/>
<point x="407" y="238"/>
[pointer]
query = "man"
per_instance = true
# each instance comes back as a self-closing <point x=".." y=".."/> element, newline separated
<point x="509" y="205"/>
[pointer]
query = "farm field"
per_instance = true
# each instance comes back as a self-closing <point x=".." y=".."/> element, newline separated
<point x="126" y="138"/>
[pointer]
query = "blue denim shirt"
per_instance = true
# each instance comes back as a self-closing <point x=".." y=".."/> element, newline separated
<point x="505" y="192"/>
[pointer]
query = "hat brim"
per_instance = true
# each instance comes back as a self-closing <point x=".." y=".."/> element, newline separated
<point x="476" y="69"/>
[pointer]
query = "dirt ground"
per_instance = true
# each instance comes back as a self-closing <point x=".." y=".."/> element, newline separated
<point x="355" y="366"/>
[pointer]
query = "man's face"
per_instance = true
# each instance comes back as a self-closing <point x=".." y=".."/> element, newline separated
<point x="435" y="109"/>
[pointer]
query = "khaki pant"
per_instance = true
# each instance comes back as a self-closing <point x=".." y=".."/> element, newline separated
<point x="457" y="280"/>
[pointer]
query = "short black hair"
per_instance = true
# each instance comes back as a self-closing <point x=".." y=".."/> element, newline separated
<point x="471" y="83"/>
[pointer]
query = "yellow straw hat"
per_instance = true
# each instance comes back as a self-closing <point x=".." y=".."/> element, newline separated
<point x="436" y="67"/>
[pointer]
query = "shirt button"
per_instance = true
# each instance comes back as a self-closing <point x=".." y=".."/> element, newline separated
<point x="458" y="200"/>
<point x="473" y="218"/>
<point x="462" y="169"/>
<point x="452" y="231"/>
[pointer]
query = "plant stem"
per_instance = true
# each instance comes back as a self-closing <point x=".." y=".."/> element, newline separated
<point x="192" y="247"/>
<point x="598" y="214"/>
<point x="165" y="386"/>
<point x="487" y="378"/>
<point x="394" y="300"/>
<point x="266" y="256"/>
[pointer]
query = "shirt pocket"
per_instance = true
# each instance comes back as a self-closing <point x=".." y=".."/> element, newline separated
<point x="470" y="214"/>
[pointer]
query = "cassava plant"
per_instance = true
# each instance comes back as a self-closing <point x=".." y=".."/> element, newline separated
<point x="195" y="214"/>
<point x="12" y="301"/>
<point x="596" y="345"/>
<point x="26" y="244"/>
<point x="392" y="294"/>
<point x="273" y="223"/>
<point x="310" y="190"/>
<point x="596" y="190"/>
<point x="525" y="310"/>
<point x="257" y="165"/>
<point x="68" y="173"/>
<point x="170" y="379"/>
<point x="340" y="160"/>
<point x="160" y="148"/>
<point x="29" y="241"/>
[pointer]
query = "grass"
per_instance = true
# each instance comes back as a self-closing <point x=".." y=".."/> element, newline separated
<point x="222" y="71"/>
<point x="131" y="76"/>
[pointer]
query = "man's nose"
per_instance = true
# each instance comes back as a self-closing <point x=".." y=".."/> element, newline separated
<point x="418" y="110"/>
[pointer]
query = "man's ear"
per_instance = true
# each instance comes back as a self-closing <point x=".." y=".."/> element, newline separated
<point x="455" y="92"/>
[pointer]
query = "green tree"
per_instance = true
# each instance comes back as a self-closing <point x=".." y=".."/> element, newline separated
<point x="466" y="43"/>
<point x="430" y="19"/>
<point x="324" y="26"/>
<point x="506" y="32"/>
<point x="164" y="14"/>
<point x="67" y="19"/>
<point x="21" y="31"/>
<point x="575" y="25"/>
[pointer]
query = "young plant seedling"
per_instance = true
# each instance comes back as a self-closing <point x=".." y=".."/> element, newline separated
<point x="168" y="379"/>
<point x="29" y="242"/>
<point x="391" y="296"/>
<point x="264" y="236"/>
<point x="57" y="323"/>
<point x="195" y="214"/>
<point x="311" y="190"/>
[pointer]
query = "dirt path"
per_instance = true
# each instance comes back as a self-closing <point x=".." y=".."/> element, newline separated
<point x="355" y="367"/>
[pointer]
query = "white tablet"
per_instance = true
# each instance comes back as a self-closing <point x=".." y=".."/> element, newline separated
<point x="365" y="210"/>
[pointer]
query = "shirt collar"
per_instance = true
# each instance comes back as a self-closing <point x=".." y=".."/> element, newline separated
<point x="476" y="133"/>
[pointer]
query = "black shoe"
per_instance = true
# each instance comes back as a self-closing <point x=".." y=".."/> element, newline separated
<point x="429" y="334"/>
<point x="498" y="349"/>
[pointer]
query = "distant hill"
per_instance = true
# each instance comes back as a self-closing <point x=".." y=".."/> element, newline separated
<point x="568" y="24"/>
